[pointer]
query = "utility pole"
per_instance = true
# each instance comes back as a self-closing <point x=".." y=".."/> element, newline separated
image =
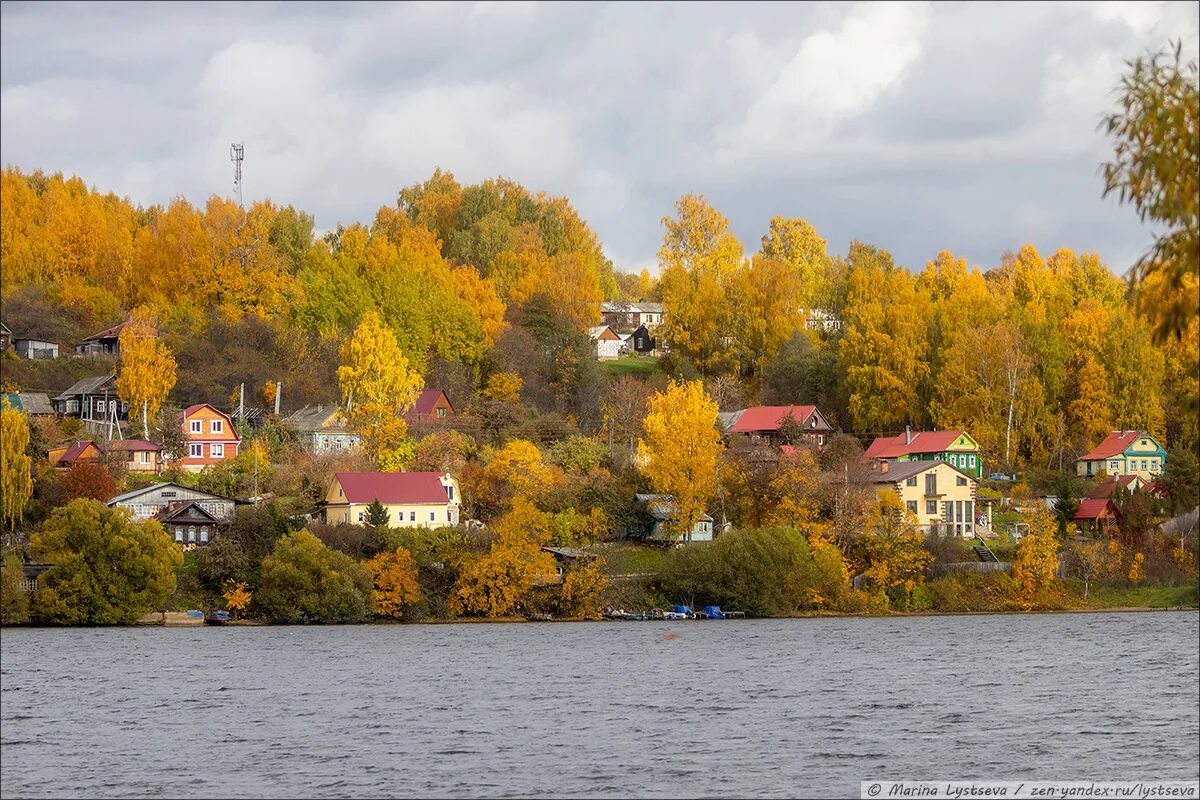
<point x="242" y="401"/>
<point x="237" y="153"/>
<point x="278" y="392"/>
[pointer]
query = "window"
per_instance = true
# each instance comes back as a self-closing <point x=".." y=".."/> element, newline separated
<point x="911" y="481"/>
<point x="169" y="494"/>
<point x="441" y="412"/>
<point x="972" y="462"/>
<point x="931" y="483"/>
<point x="216" y="426"/>
<point x="362" y="516"/>
<point x="911" y="505"/>
<point x="412" y="516"/>
<point x="196" y="450"/>
<point x="960" y="480"/>
<point x="204" y="534"/>
<point x="931" y="507"/>
<point x="432" y="516"/>
<point x="953" y="460"/>
<point x="449" y="516"/>
<point x="450" y="493"/>
<point x="144" y="457"/>
<point x="216" y="450"/>
<point x="197" y="426"/>
<point x="1114" y="465"/>
<point x="191" y="533"/>
<point x="99" y="406"/>
<point x="178" y="534"/>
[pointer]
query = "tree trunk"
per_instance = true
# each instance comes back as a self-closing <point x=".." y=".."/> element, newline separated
<point x="145" y="419"/>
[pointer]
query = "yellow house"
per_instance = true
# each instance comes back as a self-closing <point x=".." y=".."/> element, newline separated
<point x="412" y="499"/>
<point x="1124" y="453"/>
<point x="936" y="492"/>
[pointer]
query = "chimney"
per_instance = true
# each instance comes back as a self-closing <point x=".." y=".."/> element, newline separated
<point x="907" y="435"/>
<point x="883" y="468"/>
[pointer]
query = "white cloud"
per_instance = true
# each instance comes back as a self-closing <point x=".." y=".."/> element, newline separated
<point x="833" y="74"/>
<point x="474" y="130"/>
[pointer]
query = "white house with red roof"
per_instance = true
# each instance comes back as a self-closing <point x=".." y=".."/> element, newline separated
<point x="1124" y="453"/>
<point x="956" y="448"/>
<point x="766" y="421"/>
<point x="412" y="499"/>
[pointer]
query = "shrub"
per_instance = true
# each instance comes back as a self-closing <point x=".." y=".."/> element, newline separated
<point x="305" y="582"/>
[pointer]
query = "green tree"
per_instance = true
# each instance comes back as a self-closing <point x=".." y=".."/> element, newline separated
<point x="14" y="600"/>
<point x="377" y="515"/>
<point x="1156" y="167"/>
<point x="108" y="569"/>
<point x="303" y="582"/>
<point x="1181" y="479"/>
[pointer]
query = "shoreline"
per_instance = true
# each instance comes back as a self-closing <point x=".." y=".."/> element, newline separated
<point x="259" y="623"/>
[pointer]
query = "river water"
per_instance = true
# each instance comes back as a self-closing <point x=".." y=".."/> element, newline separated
<point x="759" y="707"/>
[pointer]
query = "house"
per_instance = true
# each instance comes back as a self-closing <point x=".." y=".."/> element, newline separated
<point x="35" y="348"/>
<point x="93" y="400"/>
<point x="1109" y="486"/>
<point x="411" y="499"/>
<point x="321" y="429"/>
<point x="955" y="447"/>
<point x="567" y="557"/>
<point x="766" y="421"/>
<point x="936" y="492"/>
<point x="188" y="523"/>
<point x="1124" y="453"/>
<point x="149" y="501"/>
<point x="68" y="455"/>
<point x="136" y="455"/>
<point x="1097" y="516"/>
<point x="6" y="337"/>
<point x="211" y="437"/>
<point x="627" y="316"/>
<point x="659" y="509"/>
<point x="640" y="341"/>
<point x="32" y="404"/>
<point x="608" y="342"/>
<point x="105" y="343"/>
<point x="432" y="405"/>
<point x="816" y="319"/>
<point x="251" y="416"/>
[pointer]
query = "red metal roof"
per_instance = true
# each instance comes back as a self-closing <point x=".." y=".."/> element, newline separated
<point x="1094" y="508"/>
<point x="767" y="418"/>
<point x="921" y="442"/>
<point x="426" y="400"/>
<point x="392" y="487"/>
<point x="1108" y="487"/>
<point x="1113" y="445"/>
<point x="107" y="333"/>
<point x="74" y="452"/>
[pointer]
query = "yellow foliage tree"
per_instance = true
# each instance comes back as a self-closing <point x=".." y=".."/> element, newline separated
<point x="517" y="470"/>
<point x="895" y="549"/>
<point x="504" y="386"/>
<point x="268" y="394"/>
<point x="1036" y="564"/>
<point x="396" y="586"/>
<point x="582" y="589"/>
<point x="147" y="366"/>
<point x="16" y="479"/>
<point x="679" y="450"/>
<point x="495" y="584"/>
<point x="237" y="596"/>
<point x="377" y="387"/>
<point x="794" y="490"/>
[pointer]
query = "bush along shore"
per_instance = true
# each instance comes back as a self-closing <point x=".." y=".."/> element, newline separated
<point x="268" y="567"/>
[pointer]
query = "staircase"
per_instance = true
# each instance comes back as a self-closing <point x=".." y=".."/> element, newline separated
<point x="983" y="552"/>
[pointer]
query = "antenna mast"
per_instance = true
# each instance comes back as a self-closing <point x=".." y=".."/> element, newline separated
<point x="237" y="153"/>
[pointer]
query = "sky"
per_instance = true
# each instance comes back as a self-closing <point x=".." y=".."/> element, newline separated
<point x="915" y="127"/>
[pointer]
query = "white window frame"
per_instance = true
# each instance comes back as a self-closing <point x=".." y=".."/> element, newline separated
<point x="195" y="450"/>
<point x="412" y="516"/>
<point x="216" y="426"/>
<point x="216" y="450"/>
<point x="197" y="426"/>
<point x="143" y="456"/>
<point x="433" y="516"/>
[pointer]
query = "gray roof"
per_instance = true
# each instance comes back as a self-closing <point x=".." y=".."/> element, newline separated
<point x="31" y="402"/>
<point x="661" y="506"/>
<point x="313" y="418"/>
<point x="85" y="386"/>
<point x="625" y="308"/>
<point x="900" y="470"/>
<point x="568" y="552"/>
<point x="121" y="498"/>
<point x="727" y="419"/>
<point x="4" y="328"/>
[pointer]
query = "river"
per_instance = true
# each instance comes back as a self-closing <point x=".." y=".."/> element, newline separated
<point x="757" y="707"/>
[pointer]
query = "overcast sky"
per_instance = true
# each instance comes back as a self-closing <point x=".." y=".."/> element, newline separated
<point x="914" y="127"/>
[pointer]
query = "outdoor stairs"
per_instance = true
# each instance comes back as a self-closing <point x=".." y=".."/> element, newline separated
<point x="983" y="552"/>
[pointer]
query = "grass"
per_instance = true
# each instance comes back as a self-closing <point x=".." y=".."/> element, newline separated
<point x="627" y="558"/>
<point x="640" y="366"/>
<point x="1144" y="596"/>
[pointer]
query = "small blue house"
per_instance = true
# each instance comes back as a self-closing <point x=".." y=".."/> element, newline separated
<point x="659" y="508"/>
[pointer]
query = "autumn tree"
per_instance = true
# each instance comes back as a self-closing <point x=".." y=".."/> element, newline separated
<point x="678" y="452"/>
<point x="377" y="387"/>
<point x="303" y="582"/>
<point x="517" y="470"/>
<point x="895" y="550"/>
<point x="582" y="589"/>
<point x="494" y="585"/>
<point x="237" y="596"/>
<point x="147" y="366"/>
<point x="16" y="479"/>
<point x="108" y="569"/>
<point x="14" y="599"/>
<point x="396" y="586"/>
<point x="794" y="490"/>
<point x="1036" y="564"/>
<point x="87" y="480"/>
<point x="1156" y="167"/>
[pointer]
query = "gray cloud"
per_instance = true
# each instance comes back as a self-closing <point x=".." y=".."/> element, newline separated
<point x="915" y="127"/>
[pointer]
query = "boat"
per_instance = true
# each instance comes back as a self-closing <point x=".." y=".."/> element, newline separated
<point x="217" y="618"/>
